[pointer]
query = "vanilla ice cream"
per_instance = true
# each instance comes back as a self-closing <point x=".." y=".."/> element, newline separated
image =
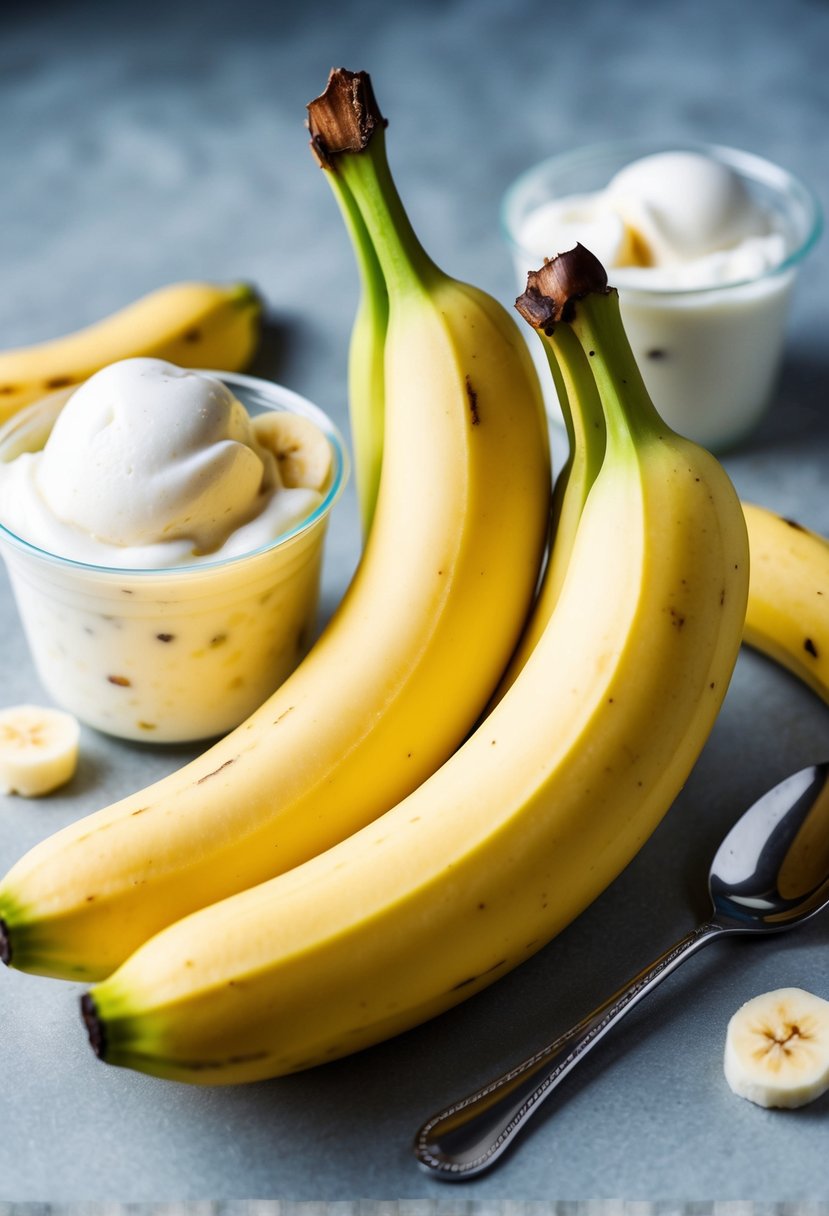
<point x="670" y="220"/>
<point x="700" y="246"/>
<point x="150" y="465"/>
<point x="164" y="546"/>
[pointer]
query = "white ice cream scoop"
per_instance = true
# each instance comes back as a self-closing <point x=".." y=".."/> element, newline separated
<point x="684" y="206"/>
<point x="145" y="451"/>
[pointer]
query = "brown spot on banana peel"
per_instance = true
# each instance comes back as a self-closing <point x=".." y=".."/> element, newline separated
<point x="810" y="648"/>
<point x="344" y="117"/>
<point x="553" y="290"/>
<point x="473" y="979"/>
<point x="215" y="771"/>
<point x="473" y="403"/>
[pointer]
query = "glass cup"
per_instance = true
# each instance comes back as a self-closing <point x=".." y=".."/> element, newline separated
<point x="181" y="653"/>
<point x="709" y="355"/>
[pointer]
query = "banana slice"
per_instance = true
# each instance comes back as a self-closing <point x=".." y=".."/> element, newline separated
<point x="777" y="1048"/>
<point x="38" y="749"/>
<point x="302" y="450"/>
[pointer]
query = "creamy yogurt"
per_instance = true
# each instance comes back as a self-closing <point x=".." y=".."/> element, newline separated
<point x="702" y="247"/>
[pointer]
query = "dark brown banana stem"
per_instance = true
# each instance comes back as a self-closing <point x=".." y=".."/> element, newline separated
<point x="344" y="117"/>
<point x="552" y="291"/>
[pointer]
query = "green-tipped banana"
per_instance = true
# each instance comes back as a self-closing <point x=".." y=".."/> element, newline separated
<point x="401" y="673"/>
<point x="527" y="822"/>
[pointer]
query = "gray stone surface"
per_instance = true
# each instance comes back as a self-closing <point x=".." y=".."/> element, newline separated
<point x="146" y="143"/>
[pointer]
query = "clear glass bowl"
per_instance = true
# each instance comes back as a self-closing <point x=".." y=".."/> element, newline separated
<point x="180" y="653"/>
<point x="709" y="355"/>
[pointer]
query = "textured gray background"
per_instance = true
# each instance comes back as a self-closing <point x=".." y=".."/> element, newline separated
<point x="143" y="144"/>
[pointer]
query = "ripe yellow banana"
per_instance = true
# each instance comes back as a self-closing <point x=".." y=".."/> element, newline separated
<point x="527" y="822"/>
<point x="399" y="676"/>
<point x="788" y="604"/>
<point x="192" y="324"/>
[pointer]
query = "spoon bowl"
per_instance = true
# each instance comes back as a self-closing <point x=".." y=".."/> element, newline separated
<point x="770" y="873"/>
<point x="772" y="869"/>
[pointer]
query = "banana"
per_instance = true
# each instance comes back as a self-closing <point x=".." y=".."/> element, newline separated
<point x="192" y="324"/>
<point x="586" y="434"/>
<point x="303" y="453"/>
<point x="788" y="605"/>
<point x="399" y="676"/>
<point x="532" y="816"/>
<point x="38" y="749"/>
<point x="777" y="1048"/>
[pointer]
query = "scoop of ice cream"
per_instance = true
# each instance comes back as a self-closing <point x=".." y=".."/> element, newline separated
<point x="145" y="452"/>
<point x="684" y="205"/>
<point x="580" y="218"/>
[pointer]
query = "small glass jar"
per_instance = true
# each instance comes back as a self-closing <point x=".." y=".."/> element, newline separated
<point x="709" y="355"/>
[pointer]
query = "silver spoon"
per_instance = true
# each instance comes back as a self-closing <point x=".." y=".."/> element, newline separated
<point x="770" y="872"/>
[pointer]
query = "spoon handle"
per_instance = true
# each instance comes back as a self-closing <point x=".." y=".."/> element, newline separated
<point x="467" y="1137"/>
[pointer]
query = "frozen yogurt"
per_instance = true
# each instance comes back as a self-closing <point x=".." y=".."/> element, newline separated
<point x="150" y="465"/>
<point x="701" y="245"/>
<point x="164" y="544"/>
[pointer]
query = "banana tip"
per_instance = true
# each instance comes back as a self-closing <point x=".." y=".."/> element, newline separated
<point x="94" y="1026"/>
<point x="5" y="944"/>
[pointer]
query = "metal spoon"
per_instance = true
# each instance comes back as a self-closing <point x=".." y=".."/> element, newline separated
<point x="771" y="872"/>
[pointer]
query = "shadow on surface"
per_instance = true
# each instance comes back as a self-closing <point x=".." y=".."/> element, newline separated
<point x="273" y="353"/>
<point x="799" y="412"/>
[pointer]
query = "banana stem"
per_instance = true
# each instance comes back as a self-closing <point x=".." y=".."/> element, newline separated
<point x="366" y="370"/>
<point x="347" y="136"/>
<point x="368" y="264"/>
<point x="570" y="292"/>
<point x="402" y="258"/>
<point x="584" y="422"/>
<point x="629" y="412"/>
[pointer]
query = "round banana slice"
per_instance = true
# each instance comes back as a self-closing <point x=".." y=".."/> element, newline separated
<point x="777" y="1048"/>
<point x="302" y="450"/>
<point x="38" y="749"/>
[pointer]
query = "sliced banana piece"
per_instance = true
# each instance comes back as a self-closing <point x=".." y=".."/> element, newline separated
<point x="301" y="448"/>
<point x="38" y="749"/>
<point x="777" y="1048"/>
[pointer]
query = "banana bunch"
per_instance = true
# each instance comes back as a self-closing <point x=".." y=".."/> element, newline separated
<point x="404" y="668"/>
<point x="530" y="819"/>
<point x="192" y="324"/>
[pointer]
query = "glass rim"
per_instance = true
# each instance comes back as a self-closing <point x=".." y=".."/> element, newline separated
<point x="288" y="400"/>
<point x="747" y="164"/>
